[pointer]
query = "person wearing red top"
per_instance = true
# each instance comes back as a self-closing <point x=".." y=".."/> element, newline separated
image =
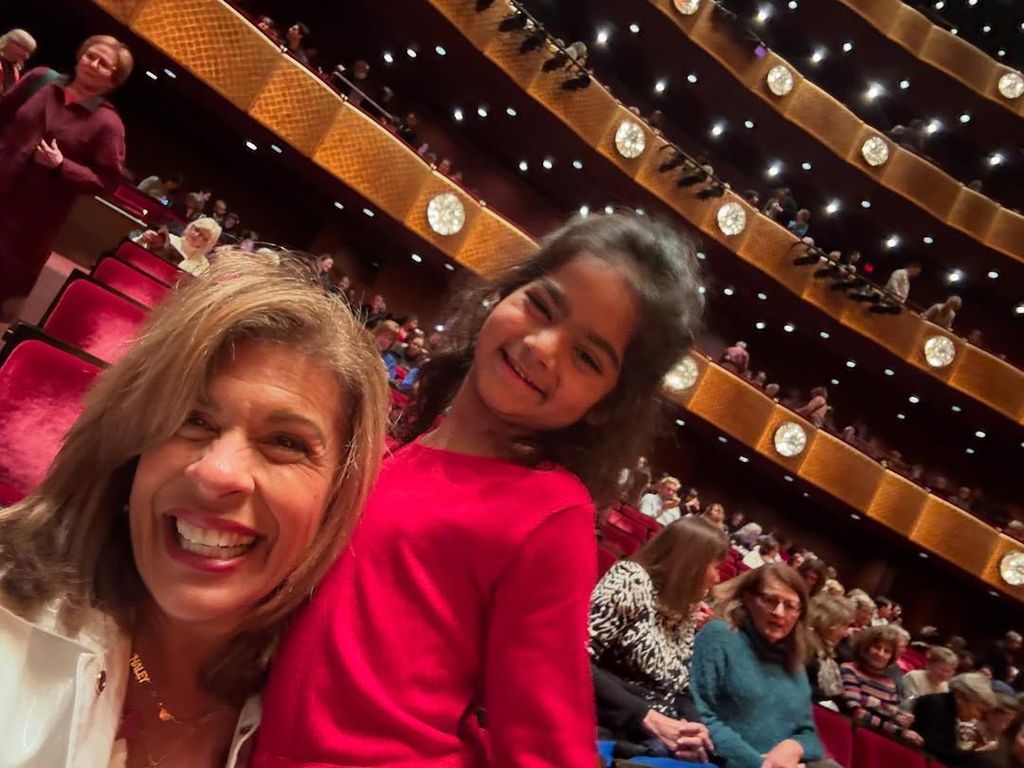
<point x="59" y="138"/>
<point x="452" y="631"/>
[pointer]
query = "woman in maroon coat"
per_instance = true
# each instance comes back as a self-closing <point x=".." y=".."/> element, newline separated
<point x="59" y="139"/>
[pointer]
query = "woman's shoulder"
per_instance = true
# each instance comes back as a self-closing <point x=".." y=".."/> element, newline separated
<point x="717" y="631"/>
<point x="629" y="575"/>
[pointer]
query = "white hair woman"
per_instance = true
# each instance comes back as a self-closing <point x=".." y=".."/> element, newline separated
<point x="15" y="49"/>
<point x="205" y="489"/>
<point x="190" y="251"/>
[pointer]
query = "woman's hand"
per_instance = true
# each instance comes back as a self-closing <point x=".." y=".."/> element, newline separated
<point x="785" y="754"/>
<point x="685" y="740"/>
<point x="905" y="719"/>
<point x="913" y="737"/>
<point x="702" y="614"/>
<point x="48" y="155"/>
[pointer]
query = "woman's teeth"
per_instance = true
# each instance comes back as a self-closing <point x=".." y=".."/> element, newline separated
<point x="208" y="542"/>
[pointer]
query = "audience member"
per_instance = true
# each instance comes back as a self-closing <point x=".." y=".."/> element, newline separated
<point x="190" y="250"/>
<point x="375" y="311"/>
<point x="410" y="327"/>
<point x="1001" y="657"/>
<point x="998" y="718"/>
<point x="814" y="410"/>
<point x="15" y="49"/>
<point x="354" y="83"/>
<point x="410" y="358"/>
<point x="385" y="335"/>
<point x="772" y="391"/>
<point x="59" y="138"/>
<point x="748" y="677"/>
<point x="766" y="551"/>
<point x="870" y="696"/>
<point x="633" y="483"/>
<point x="715" y="515"/>
<point x="642" y="629"/>
<point x="735" y="521"/>
<point x="813" y="572"/>
<point x="220" y="210"/>
<point x="745" y="539"/>
<point x="662" y="504"/>
<point x="407" y="129"/>
<point x="295" y="39"/>
<point x="231" y="229"/>
<point x="266" y="25"/>
<point x="691" y="502"/>
<point x="828" y="622"/>
<point x="162" y="188"/>
<point x="898" y="285"/>
<point x="92" y="563"/>
<point x="883" y="611"/>
<point x="949" y="722"/>
<point x="801" y="224"/>
<point x="736" y="358"/>
<point x="1009" y="753"/>
<point x="944" y="313"/>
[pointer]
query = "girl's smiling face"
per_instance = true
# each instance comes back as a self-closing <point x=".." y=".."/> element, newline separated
<point x="554" y="348"/>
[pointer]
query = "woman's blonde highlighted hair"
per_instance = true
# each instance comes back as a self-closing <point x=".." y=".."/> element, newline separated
<point x="125" y="61"/>
<point x="69" y="541"/>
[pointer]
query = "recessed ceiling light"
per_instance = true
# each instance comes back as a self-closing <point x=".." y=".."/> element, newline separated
<point x="748" y="123"/>
<point x="251" y="145"/>
<point x="874" y="91"/>
<point x="728" y="291"/>
<point x="410" y="52"/>
<point x="584" y="210"/>
<point x="417" y="258"/>
<point x="743" y="459"/>
<point x="832" y="207"/>
<point x="760" y="325"/>
<point x="923" y="555"/>
<point x="954" y="276"/>
<point x="901" y="416"/>
<point x="602" y="36"/>
<point x="789" y="327"/>
<point x="440" y="50"/>
<point x="640" y="212"/>
<point x="793" y="5"/>
<point x="996" y="158"/>
<point x="170" y="73"/>
<point x="927" y="239"/>
<point x="980" y="435"/>
<point x="722" y="439"/>
<point x="763" y="13"/>
<point x="818" y="56"/>
<point x="788" y="478"/>
<point x="892" y="241"/>
<point x="524" y="166"/>
<point x="339" y="206"/>
<point x="934" y="126"/>
<point x="276" y="148"/>
<point x="450" y="268"/>
<point x="717" y="129"/>
<point x="889" y="372"/>
<point x="914" y="399"/>
<point x="940" y="5"/>
<point x="1019" y="309"/>
<point x="151" y="75"/>
<point x="806" y="166"/>
<point x="774" y="170"/>
<point x="482" y="110"/>
<point x="762" y="297"/>
<point x="701" y="255"/>
<point x="854" y="516"/>
<point x="634" y="28"/>
<point x="851" y="363"/>
<point x="847" y="46"/>
<point x="388" y="57"/>
<point x="954" y="31"/>
<point x="993" y="274"/>
<point x="548" y="163"/>
<point x="692" y="77"/>
<point x="965" y="117"/>
<point x="458" y="114"/>
<point x="824" y="335"/>
<point x="969" y="451"/>
<point x="660" y="86"/>
<point x="680" y="422"/>
<point x="904" y="84"/>
<point x="368" y="212"/>
<point x="986" y="29"/>
<point x="834" y="382"/>
<point x="1001" y="52"/>
<point x="610" y="210"/>
<point x="511" y="111"/>
<point x="577" y="164"/>
<point x="955" y="408"/>
<point x="865" y="203"/>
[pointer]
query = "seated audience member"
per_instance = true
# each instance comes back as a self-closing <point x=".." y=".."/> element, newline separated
<point x="897" y="669"/>
<point x="949" y="722"/>
<point x="745" y="539"/>
<point x="409" y="327"/>
<point x="231" y="229"/>
<point x="410" y="357"/>
<point x="883" y="611"/>
<point x="736" y="358"/>
<point x="766" y="551"/>
<point x="812" y="571"/>
<point x="715" y="514"/>
<point x="748" y="677"/>
<point x="385" y="335"/>
<point x="760" y="379"/>
<point x="643" y="621"/>
<point x="181" y="466"/>
<point x="944" y="313"/>
<point x="816" y="407"/>
<point x="189" y="251"/>
<point x="1001" y="657"/>
<point x="870" y="696"/>
<point x="801" y="224"/>
<point x="266" y="25"/>
<point x="1009" y="751"/>
<point x="691" y="502"/>
<point x="663" y="503"/>
<point x="735" y="521"/>
<point x="898" y="284"/>
<point x="295" y="39"/>
<point x="375" y="311"/>
<point x="864" y="608"/>
<point x="407" y="129"/>
<point x="833" y="587"/>
<point x="828" y="622"/>
<point x="997" y="720"/>
<point x="162" y="188"/>
<point x="220" y="210"/>
<point x="771" y="389"/>
<point x="15" y="49"/>
<point x="633" y="483"/>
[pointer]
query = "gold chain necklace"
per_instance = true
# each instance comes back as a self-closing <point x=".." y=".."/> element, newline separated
<point x="165" y="715"/>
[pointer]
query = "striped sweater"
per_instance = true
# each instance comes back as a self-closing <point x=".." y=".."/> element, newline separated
<point x="872" y="700"/>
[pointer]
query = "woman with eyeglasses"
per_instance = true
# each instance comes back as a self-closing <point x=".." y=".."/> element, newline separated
<point x="748" y="678"/>
<point x="59" y="138"/>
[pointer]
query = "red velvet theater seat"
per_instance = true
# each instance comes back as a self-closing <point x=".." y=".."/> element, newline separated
<point x="873" y="750"/>
<point x="836" y="734"/>
<point x="619" y="541"/>
<point x="152" y="265"/>
<point x="41" y="389"/>
<point x="91" y="317"/>
<point x="130" y="281"/>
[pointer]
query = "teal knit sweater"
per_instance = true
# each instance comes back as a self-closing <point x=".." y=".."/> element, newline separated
<point x="749" y="705"/>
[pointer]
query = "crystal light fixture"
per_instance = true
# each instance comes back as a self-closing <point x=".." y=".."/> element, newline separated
<point x="875" y="150"/>
<point x="445" y="214"/>
<point x="790" y="439"/>
<point x="780" y="80"/>
<point x="1011" y="568"/>
<point x="1011" y="85"/>
<point x="732" y="219"/>
<point x="939" y="351"/>
<point x="686" y="7"/>
<point x="683" y="375"/>
<point x="630" y="139"/>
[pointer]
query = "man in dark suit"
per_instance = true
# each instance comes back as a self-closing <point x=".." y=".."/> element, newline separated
<point x="948" y="722"/>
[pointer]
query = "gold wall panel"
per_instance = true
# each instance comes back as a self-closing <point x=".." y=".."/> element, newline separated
<point x="593" y="115"/>
<point x="935" y="46"/>
<point x="362" y="154"/>
<point x="898" y="503"/>
<point x="954" y="534"/>
<point x="296" y="105"/>
<point x="814" y="111"/>
<point x="122" y="10"/>
<point x="841" y="470"/>
<point x="212" y="41"/>
<point x="1007" y="230"/>
<point x="902" y="175"/>
<point x="974" y="213"/>
<point x="981" y="372"/>
<point x="503" y="50"/>
<point x="731" y="404"/>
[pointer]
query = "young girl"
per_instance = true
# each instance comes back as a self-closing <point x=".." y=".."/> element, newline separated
<point x="453" y="629"/>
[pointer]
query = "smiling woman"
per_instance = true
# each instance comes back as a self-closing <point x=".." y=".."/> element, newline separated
<point x="207" y="486"/>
